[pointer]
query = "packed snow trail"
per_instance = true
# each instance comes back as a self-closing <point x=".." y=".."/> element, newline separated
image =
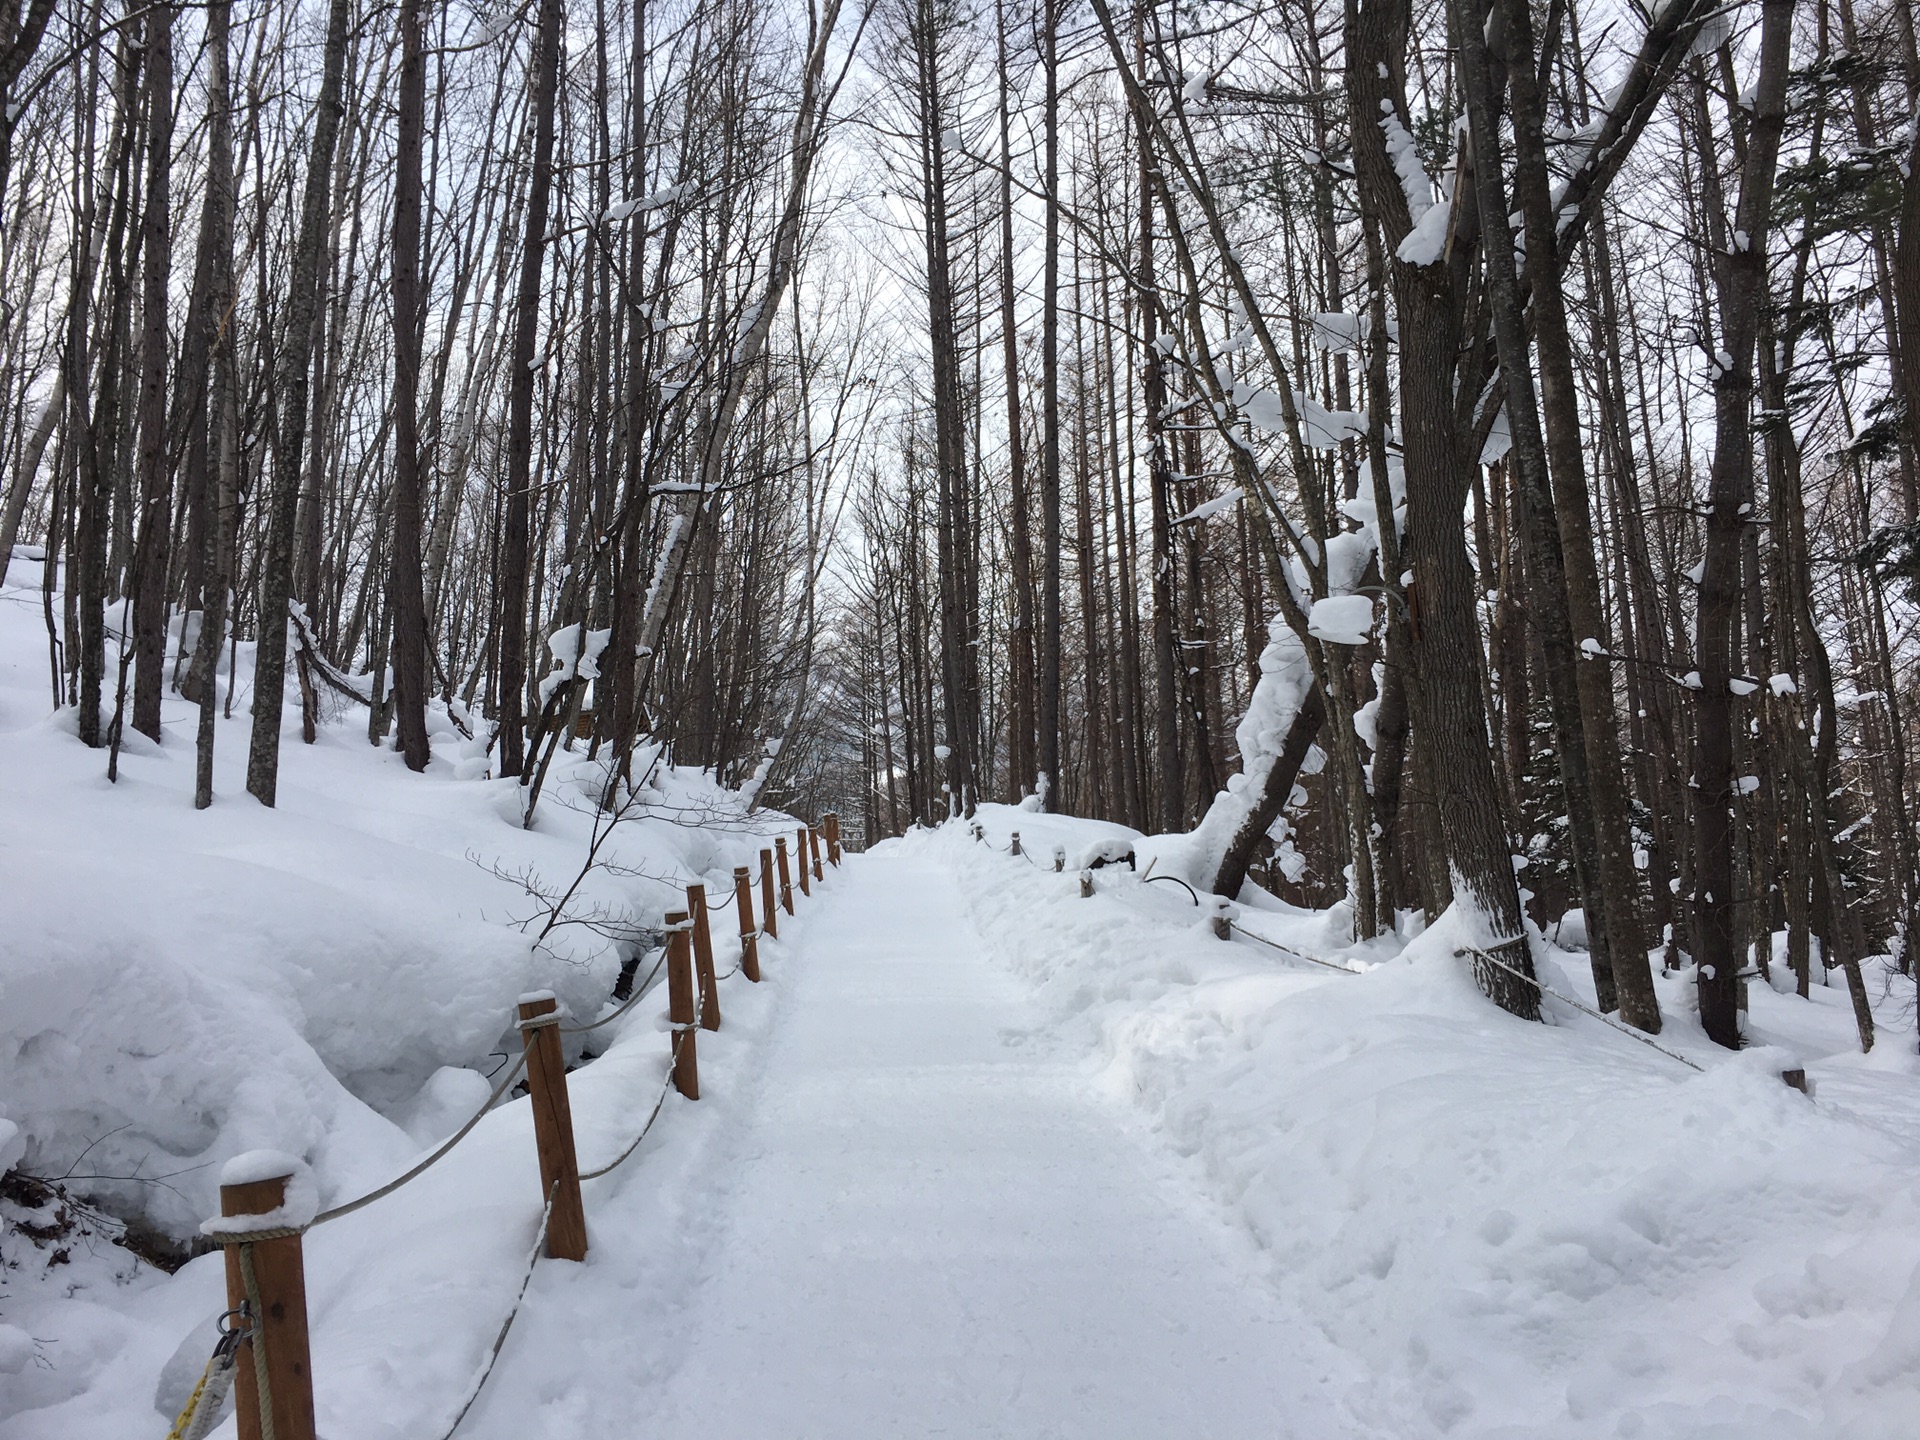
<point x="931" y="1226"/>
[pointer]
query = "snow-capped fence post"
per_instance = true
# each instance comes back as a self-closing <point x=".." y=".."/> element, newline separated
<point x="800" y="859"/>
<point x="832" y="822"/>
<point x="1059" y="859"/>
<point x="1014" y="848"/>
<point x="703" y="958"/>
<point x="278" y="1320"/>
<point x="539" y="1026"/>
<point x="786" y="876"/>
<point x="1086" y="884"/>
<point x="749" y="939"/>
<point x="766" y="894"/>
<point x="1222" y="916"/>
<point x="813" y="848"/>
<point x="680" y="1009"/>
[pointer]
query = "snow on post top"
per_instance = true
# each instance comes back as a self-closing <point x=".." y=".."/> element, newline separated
<point x="299" y="1202"/>
<point x="534" y="997"/>
<point x="257" y="1165"/>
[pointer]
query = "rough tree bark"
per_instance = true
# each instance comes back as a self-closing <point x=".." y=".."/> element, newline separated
<point x="156" y="477"/>
<point x="290" y="418"/>
<point x="514" y="539"/>
<point x="1739" y="269"/>
<point x="406" y="598"/>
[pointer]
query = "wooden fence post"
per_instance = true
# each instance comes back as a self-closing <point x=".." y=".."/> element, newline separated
<point x="749" y="942"/>
<point x="1222" y="917"/>
<point x="279" y="1273"/>
<point x="800" y="859"/>
<point x="703" y="958"/>
<point x="786" y="879"/>
<point x="1086" y="884"/>
<point x="680" y="1011"/>
<point x="813" y="846"/>
<point x="1014" y="848"/>
<point x="1059" y="858"/>
<point x="833" y="838"/>
<point x="553" y="1124"/>
<point x="767" y="907"/>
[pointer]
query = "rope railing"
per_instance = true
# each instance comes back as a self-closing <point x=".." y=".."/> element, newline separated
<point x="1226" y="923"/>
<point x="266" y="1291"/>
<point x="1583" y="1008"/>
<point x="1290" y="950"/>
<point x="479" y="1381"/>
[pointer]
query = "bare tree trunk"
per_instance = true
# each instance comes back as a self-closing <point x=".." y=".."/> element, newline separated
<point x="1616" y="936"/>
<point x="1050" y="757"/>
<point x="290" y="420"/>
<point x="1739" y="272"/>
<point x="406" y="598"/>
<point x="1445" y="691"/>
<point x="156" y="487"/>
<point x="1021" y="761"/>
<point x="218" y="403"/>
<point x="515" y="541"/>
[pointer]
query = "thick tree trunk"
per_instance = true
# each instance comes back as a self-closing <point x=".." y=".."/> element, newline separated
<point x="406" y="598"/>
<point x="1445" y="691"/>
<point x="1739" y="270"/>
<point x="217" y="425"/>
<point x="1237" y="859"/>
<point x="156" y="479"/>
<point x="1616" y="934"/>
<point x="1546" y="561"/>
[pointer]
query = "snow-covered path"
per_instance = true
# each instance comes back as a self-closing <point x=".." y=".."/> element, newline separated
<point x="930" y="1226"/>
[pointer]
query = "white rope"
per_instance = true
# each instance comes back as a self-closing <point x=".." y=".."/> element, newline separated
<point x="1585" y="1009"/>
<point x="493" y="1356"/>
<point x="1289" y="950"/>
<point x="392" y="1185"/>
<point x="633" y="1000"/>
<point x="680" y="1034"/>
<point x="256" y="1342"/>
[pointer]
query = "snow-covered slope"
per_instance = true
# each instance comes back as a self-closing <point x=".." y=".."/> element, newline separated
<point x="1525" y="1230"/>
<point x="333" y="977"/>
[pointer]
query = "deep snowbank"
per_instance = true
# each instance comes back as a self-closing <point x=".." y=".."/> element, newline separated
<point x="333" y="977"/>
<point x="1525" y="1230"/>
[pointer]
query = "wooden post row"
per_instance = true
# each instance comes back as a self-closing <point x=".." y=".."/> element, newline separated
<point x="800" y="859"/>
<point x="749" y="942"/>
<point x="786" y="879"/>
<point x="766" y="894"/>
<point x="279" y="1272"/>
<point x="703" y="958"/>
<point x="553" y="1124"/>
<point x="680" y="1009"/>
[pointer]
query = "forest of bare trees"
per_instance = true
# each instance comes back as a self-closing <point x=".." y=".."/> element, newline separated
<point x="1444" y="454"/>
